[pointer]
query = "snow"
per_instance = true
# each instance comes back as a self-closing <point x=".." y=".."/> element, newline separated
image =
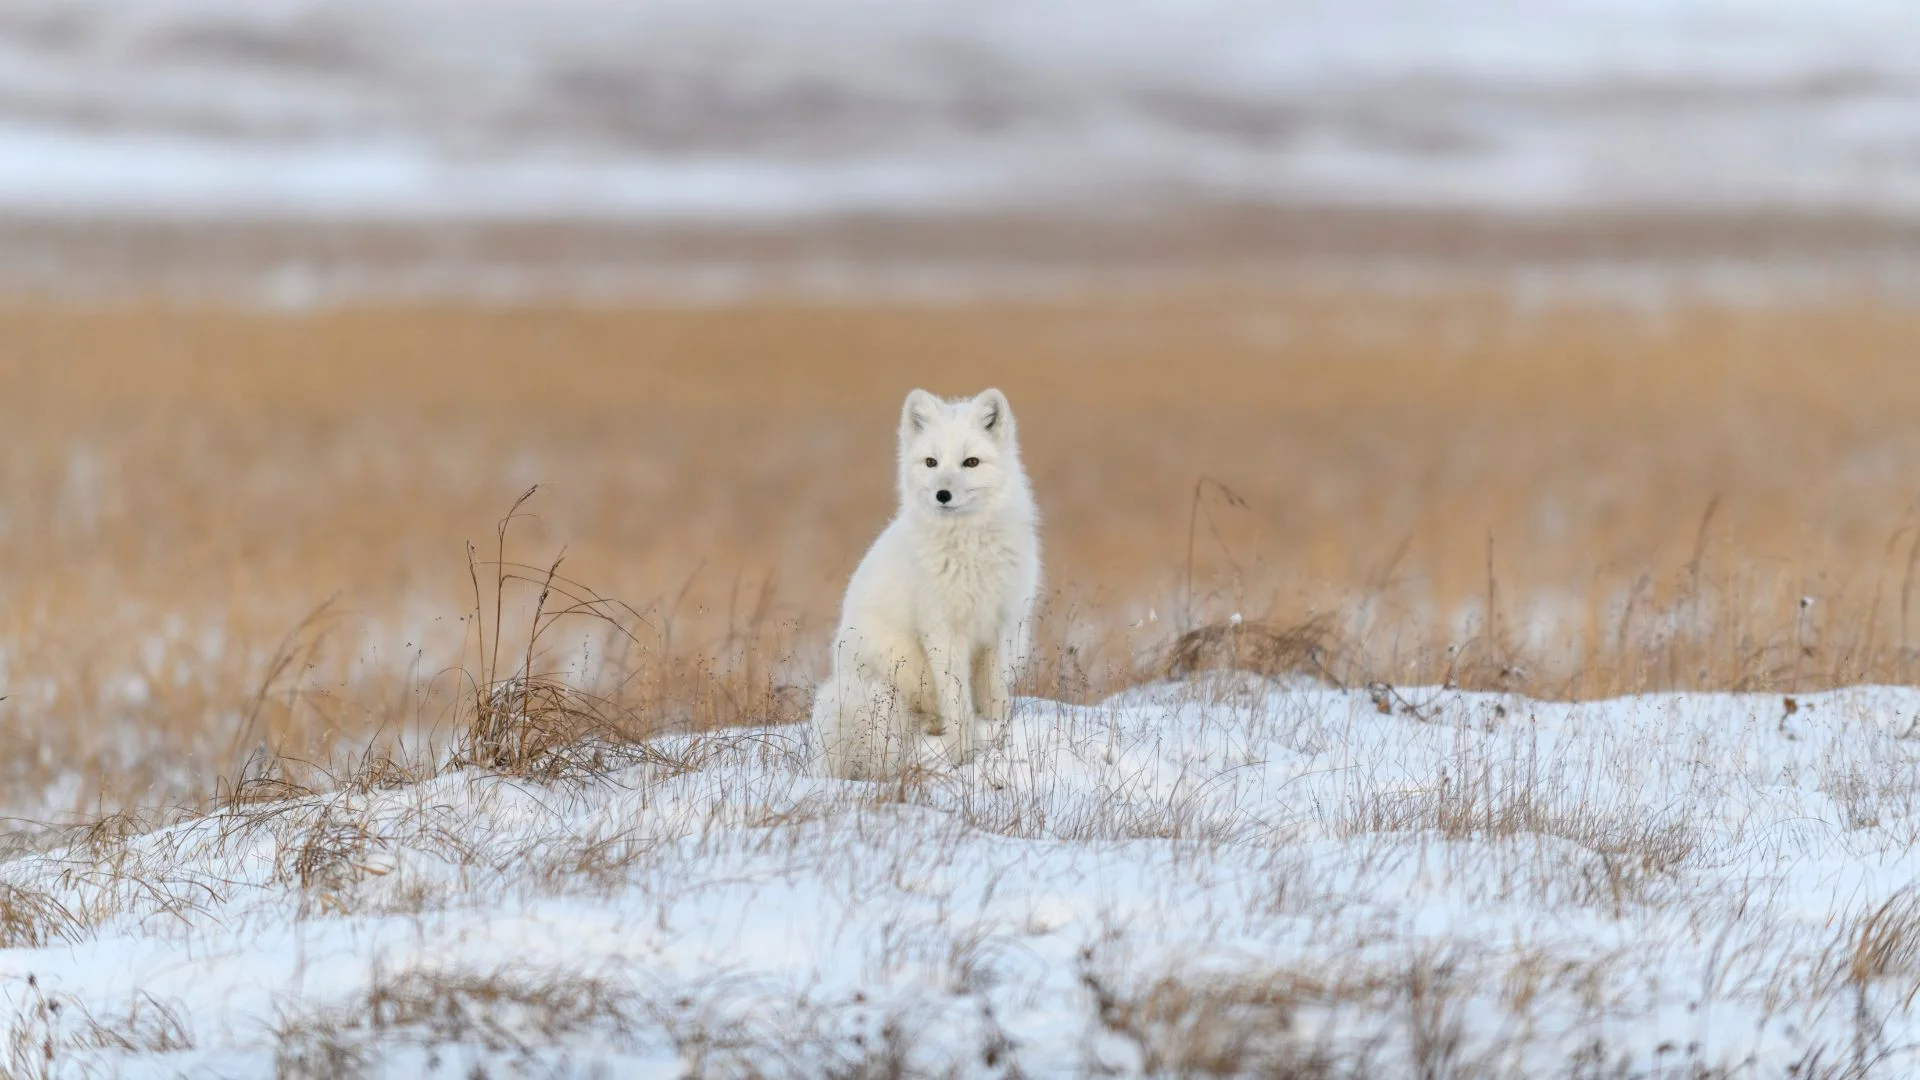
<point x="1229" y="871"/>
<point x="59" y="172"/>
<point x="794" y="108"/>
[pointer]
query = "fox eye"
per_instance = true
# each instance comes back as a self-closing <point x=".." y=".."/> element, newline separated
<point x="970" y="463"/>
<point x="931" y="463"/>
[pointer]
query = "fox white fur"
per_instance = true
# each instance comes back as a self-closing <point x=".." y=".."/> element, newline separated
<point x="936" y="621"/>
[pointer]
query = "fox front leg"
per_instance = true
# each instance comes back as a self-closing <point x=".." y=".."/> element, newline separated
<point x="952" y="692"/>
<point x="992" y="689"/>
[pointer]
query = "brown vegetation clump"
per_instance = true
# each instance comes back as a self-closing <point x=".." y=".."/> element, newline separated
<point x="30" y="918"/>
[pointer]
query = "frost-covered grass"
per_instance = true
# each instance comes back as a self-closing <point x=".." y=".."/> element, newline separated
<point x="1225" y="876"/>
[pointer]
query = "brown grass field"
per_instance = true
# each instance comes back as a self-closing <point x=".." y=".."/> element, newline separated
<point x="226" y="530"/>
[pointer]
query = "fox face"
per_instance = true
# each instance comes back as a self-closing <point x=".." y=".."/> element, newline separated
<point x="957" y="458"/>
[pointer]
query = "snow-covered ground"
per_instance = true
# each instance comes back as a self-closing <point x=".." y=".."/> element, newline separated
<point x="1223" y="877"/>
<point x="783" y="108"/>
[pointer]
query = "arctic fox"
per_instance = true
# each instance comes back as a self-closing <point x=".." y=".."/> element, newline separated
<point x="936" y="620"/>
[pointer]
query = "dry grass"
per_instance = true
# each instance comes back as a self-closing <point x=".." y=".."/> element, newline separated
<point x="1565" y="498"/>
<point x="504" y="1011"/>
<point x="49" y="1028"/>
<point x="30" y="918"/>
<point x="521" y="1013"/>
<point x="1223" y="1027"/>
<point x="1880" y="948"/>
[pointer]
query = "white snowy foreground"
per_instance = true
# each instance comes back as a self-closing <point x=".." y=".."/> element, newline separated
<point x="1219" y="879"/>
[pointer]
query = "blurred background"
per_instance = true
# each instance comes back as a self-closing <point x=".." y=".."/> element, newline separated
<point x="1565" y="346"/>
<point x="295" y="152"/>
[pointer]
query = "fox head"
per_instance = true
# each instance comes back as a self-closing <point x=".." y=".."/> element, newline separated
<point x="957" y="458"/>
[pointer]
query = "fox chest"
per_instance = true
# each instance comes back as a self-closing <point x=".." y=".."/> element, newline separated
<point x="971" y="588"/>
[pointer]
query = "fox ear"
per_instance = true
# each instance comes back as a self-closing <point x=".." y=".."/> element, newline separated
<point x="994" y="415"/>
<point x="918" y="412"/>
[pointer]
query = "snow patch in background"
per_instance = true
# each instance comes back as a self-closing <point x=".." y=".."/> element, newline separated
<point x="791" y="108"/>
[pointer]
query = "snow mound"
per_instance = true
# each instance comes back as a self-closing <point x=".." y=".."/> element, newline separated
<point x="1217" y="878"/>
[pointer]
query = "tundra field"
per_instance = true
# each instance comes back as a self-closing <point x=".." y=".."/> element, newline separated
<point x="1436" y="683"/>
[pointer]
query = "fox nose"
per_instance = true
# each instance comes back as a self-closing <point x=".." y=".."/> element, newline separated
<point x="943" y="495"/>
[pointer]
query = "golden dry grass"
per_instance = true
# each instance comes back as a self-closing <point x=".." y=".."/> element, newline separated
<point x="1642" y="496"/>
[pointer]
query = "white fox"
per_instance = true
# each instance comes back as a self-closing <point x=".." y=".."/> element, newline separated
<point x="936" y="621"/>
